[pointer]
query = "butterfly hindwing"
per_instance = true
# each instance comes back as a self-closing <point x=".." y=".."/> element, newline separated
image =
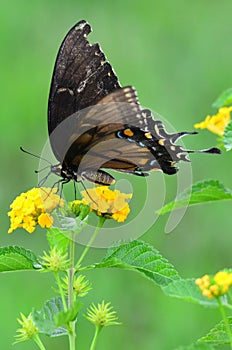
<point x="110" y="137"/>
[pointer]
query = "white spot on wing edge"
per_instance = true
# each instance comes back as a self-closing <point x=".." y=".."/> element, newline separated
<point x="152" y="162"/>
<point x="81" y="25"/>
<point x="64" y="90"/>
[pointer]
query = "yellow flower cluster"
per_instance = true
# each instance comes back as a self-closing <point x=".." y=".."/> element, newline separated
<point x="32" y="208"/>
<point x="28" y="329"/>
<point x="56" y="260"/>
<point x="215" y="286"/>
<point x="216" y="123"/>
<point x="107" y="203"/>
<point x="81" y="285"/>
<point x="102" y="315"/>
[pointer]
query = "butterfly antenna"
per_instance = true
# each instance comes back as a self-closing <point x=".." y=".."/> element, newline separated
<point x="40" y="170"/>
<point x="34" y="155"/>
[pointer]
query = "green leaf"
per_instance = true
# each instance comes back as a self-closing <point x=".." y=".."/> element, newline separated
<point x="13" y="258"/>
<point x="57" y="239"/>
<point x="187" y="290"/>
<point x="225" y="99"/>
<point x="218" y="334"/>
<point x="64" y="317"/>
<point x="143" y="258"/>
<point x="201" y="192"/>
<point x="44" y="319"/>
<point x="196" y="346"/>
<point x="227" y="137"/>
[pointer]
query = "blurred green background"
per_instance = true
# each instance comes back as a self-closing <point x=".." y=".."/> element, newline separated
<point x="178" y="56"/>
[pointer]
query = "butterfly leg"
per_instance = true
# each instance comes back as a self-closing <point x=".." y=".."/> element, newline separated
<point x="75" y="190"/>
<point x="61" y="184"/>
<point x="48" y="193"/>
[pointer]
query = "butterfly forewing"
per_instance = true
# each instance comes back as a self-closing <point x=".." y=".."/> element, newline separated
<point x="80" y="79"/>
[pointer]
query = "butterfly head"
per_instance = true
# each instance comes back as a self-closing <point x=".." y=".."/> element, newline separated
<point x="65" y="173"/>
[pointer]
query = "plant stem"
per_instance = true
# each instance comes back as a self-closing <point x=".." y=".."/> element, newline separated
<point x="38" y="341"/>
<point x="72" y="332"/>
<point x="58" y="281"/>
<point x="94" y="341"/>
<point x="225" y="319"/>
<point x="85" y="251"/>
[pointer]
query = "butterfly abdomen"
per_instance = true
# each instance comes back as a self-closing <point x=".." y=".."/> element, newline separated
<point x="99" y="177"/>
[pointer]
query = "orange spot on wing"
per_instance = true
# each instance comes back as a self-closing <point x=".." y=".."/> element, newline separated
<point x="143" y="161"/>
<point x="148" y="135"/>
<point x="161" y="142"/>
<point x="128" y="132"/>
<point x="155" y="169"/>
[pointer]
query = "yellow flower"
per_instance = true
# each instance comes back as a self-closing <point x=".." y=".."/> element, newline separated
<point x="121" y="215"/>
<point x="32" y="207"/>
<point x="102" y="315"/>
<point x="55" y="260"/>
<point x="45" y="220"/>
<point x="108" y="203"/>
<point x="215" y="286"/>
<point x="28" y="329"/>
<point x="216" y="123"/>
<point x="224" y="280"/>
<point x="81" y="285"/>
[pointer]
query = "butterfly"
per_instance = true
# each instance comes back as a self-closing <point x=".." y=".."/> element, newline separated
<point x="94" y="124"/>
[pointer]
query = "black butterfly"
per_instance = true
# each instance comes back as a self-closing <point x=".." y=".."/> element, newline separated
<point x="96" y="124"/>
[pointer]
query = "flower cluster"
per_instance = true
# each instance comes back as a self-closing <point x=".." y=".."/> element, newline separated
<point x="107" y="203"/>
<point x="218" y="122"/>
<point x="216" y="285"/>
<point x="28" y="329"/>
<point x="102" y="315"/>
<point x="81" y="285"/>
<point x="55" y="260"/>
<point x="32" y="208"/>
